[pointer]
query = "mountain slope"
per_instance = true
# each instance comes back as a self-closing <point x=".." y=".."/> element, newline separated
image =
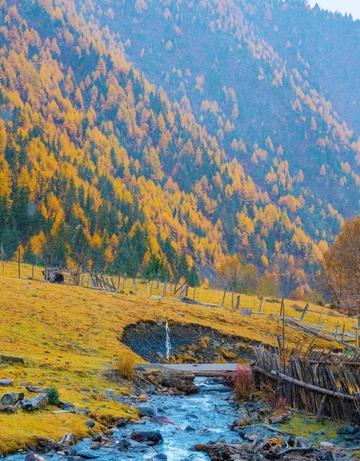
<point x="244" y="90"/>
<point x="99" y="166"/>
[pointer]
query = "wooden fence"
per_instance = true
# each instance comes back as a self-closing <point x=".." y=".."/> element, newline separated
<point x="323" y="384"/>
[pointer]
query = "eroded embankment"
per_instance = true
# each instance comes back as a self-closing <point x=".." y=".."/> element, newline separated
<point x="189" y="343"/>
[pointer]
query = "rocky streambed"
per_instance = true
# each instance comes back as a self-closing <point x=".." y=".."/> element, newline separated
<point x="201" y="425"/>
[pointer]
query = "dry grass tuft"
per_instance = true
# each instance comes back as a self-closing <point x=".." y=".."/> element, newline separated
<point x="125" y="366"/>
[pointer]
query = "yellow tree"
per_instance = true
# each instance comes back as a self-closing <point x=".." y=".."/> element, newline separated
<point x="228" y="270"/>
<point x="340" y="267"/>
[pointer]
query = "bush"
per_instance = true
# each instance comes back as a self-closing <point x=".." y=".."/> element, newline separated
<point x="125" y="366"/>
<point x="244" y="386"/>
<point x="53" y="396"/>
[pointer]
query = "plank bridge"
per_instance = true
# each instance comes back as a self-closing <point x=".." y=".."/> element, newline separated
<point x="210" y="370"/>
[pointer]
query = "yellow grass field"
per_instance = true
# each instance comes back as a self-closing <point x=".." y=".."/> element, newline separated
<point x="69" y="338"/>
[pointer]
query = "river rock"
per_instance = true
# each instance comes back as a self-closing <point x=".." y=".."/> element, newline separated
<point x="348" y="429"/>
<point x="148" y="437"/>
<point x="86" y="454"/>
<point x="37" y="403"/>
<point x="123" y="445"/>
<point x="6" y="382"/>
<point x="146" y="412"/>
<point x="122" y="422"/>
<point x="182" y="383"/>
<point x="33" y="457"/>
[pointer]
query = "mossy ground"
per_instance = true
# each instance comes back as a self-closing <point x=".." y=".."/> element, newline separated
<point x="69" y="338"/>
<point x="303" y="426"/>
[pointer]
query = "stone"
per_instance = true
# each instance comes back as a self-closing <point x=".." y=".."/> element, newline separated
<point x="143" y="398"/>
<point x="6" y="382"/>
<point x="67" y="440"/>
<point x="146" y="412"/>
<point x="90" y="423"/>
<point x="9" y="399"/>
<point x="36" y="390"/>
<point x="123" y="445"/>
<point x="122" y="422"/>
<point x="7" y="409"/>
<point x="66" y="406"/>
<point x="277" y="419"/>
<point x="33" y="457"/>
<point x="327" y="445"/>
<point x="148" y="437"/>
<point x="85" y="454"/>
<point x="11" y="359"/>
<point x="182" y="383"/>
<point x="37" y="403"/>
<point x="348" y="429"/>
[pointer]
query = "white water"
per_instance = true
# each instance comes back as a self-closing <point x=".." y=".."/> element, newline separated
<point x="167" y="342"/>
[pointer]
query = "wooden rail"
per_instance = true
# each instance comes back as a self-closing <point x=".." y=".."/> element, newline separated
<point x="319" y="383"/>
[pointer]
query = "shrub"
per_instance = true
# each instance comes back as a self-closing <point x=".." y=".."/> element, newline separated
<point x="125" y="366"/>
<point x="53" y="396"/>
<point x="244" y="386"/>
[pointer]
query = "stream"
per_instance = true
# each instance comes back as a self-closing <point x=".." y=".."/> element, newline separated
<point x="183" y="422"/>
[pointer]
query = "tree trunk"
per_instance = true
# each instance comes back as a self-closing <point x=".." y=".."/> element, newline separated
<point x="223" y="298"/>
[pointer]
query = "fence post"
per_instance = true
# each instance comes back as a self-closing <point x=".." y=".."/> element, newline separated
<point x="282" y="308"/>
<point x="304" y="311"/>
<point x="19" y="262"/>
<point x="238" y="303"/>
<point x="2" y="257"/>
<point x="261" y="303"/>
<point x="283" y="334"/>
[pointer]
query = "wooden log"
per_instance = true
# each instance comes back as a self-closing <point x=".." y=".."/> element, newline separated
<point x="320" y="390"/>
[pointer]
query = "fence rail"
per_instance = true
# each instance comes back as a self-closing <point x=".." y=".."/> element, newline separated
<point x="322" y="384"/>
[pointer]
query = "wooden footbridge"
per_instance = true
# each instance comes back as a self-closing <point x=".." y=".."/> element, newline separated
<point x="209" y="370"/>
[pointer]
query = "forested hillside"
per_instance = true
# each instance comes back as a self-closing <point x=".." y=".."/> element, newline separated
<point x="158" y="135"/>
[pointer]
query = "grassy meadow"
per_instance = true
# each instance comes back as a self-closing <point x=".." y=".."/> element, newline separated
<point x="69" y="338"/>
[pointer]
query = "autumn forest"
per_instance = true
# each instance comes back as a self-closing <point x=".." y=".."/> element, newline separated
<point x="156" y="137"/>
